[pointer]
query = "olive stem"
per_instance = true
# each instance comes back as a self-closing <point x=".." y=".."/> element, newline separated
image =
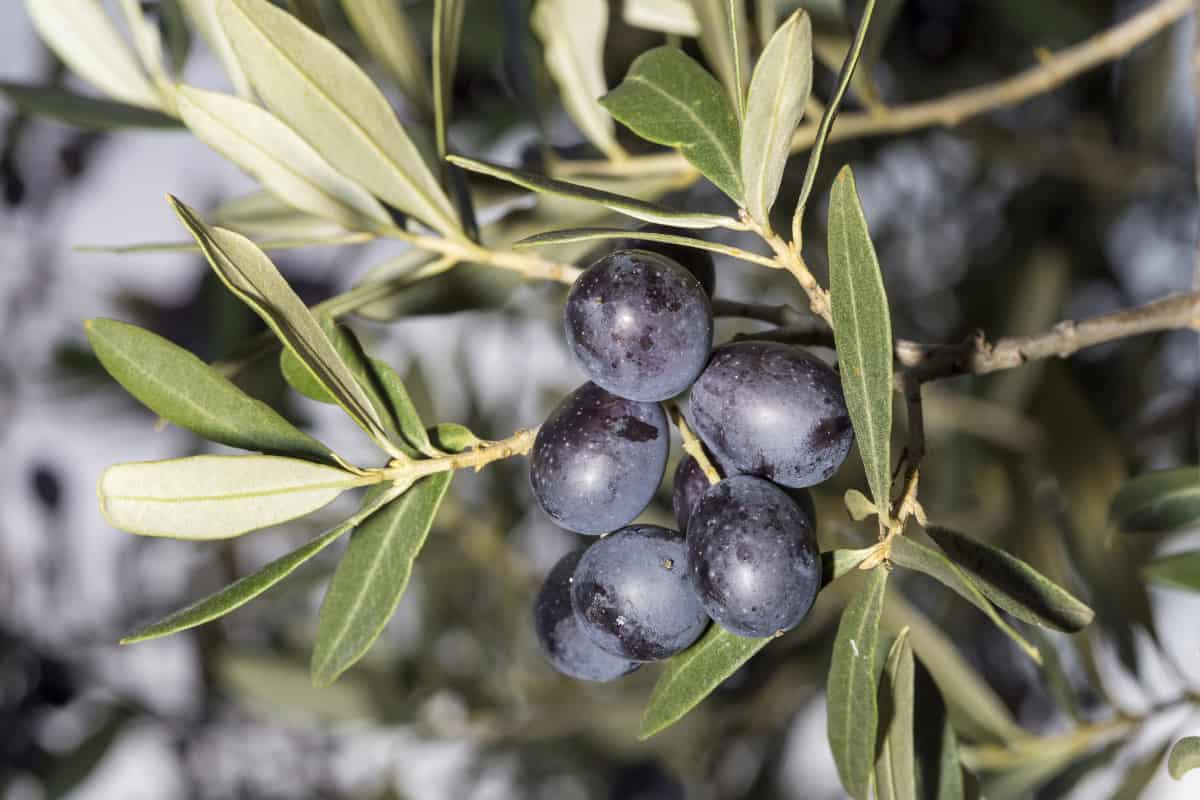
<point x="691" y="444"/>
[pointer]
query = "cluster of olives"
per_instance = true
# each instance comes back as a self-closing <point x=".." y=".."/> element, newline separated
<point x="639" y="322"/>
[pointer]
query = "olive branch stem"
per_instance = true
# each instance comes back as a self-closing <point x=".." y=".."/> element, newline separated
<point x="691" y="443"/>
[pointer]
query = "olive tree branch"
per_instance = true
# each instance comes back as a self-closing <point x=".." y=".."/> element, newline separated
<point x="407" y="470"/>
<point x="691" y="444"/>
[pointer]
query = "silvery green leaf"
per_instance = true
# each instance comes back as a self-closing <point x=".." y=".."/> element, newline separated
<point x="263" y="214"/>
<point x="149" y="46"/>
<point x="664" y="16"/>
<point x="1178" y="571"/>
<point x="185" y="391"/>
<point x="669" y="99"/>
<point x="243" y="590"/>
<point x="1185" y="757"/>
<point x="1159" y="502"/>
<point x="725" y="42"/>
<point x="386" y="279"/>
<point x="862" y="330"/>
<point x="895" y="766"/>
<point x="283" y="243"/>
<point x="836" y="563"/>
<point x="82" y="35"/>
<point x="447" y="34"/>
<point x="572" y="37"/>
<point x="372" y="576"/>
<point x="81" y="111"/>
<point x="217" y="497"/>
<point x="384" y="28"/>
<point x="283" y="163"/>
<point x="779" y="89"/>
<point x="203" y="14"/>
<point x="451" y="437"/>
<point x="250" y="275"/>
<point x="322" y="95"/>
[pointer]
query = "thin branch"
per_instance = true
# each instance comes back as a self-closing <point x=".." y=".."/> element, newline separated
<point x="691" y="444"/>
<point x="405" y="469"/>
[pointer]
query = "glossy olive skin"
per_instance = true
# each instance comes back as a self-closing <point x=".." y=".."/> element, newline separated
<point x="597" y="461"/>
<point x="772" y="410"/>
<point x="639" y="325"/>
<point x="632" y="595"/>
<point x="697" y="262"/>
<point x="562" y="640"/>
<point x="752" y="557"/>
<point x="690" y="484"/>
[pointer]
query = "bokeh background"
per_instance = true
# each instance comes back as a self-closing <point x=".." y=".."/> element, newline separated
<point x="1076" y="203"/>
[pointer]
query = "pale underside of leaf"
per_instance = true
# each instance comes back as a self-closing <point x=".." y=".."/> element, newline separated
<point x="1185" y="757"/>
<point x="203" y="14"/>
<point x="725" y="42"/>
<point x="216" y="497"/>
<point x="664" y="16"/>
<point x="386" y="31"/>
<point x="447" y="36"/>
<point x="895" y="767"/>
<point x="80" y="111"/>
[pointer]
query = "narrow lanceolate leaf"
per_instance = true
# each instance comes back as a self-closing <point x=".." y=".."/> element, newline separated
<point x="692" y="676"/>
<point x="217" y="497"/>
<point x="386" y="31"/>
<point x="263" y="214"/>
<point x="147" y="42"/>
<point x="629" y="206"/>
<point x="451" y="437"/>
<point x="836" y="563"/>
<point x="669" y="99"/>
<point x="203" y="14"/>
<point x="401" y="409"/>
<point x="84" y="37"/>
<point x="1159" y="502"/>
<point x="664" y="16"/>
<point x="826" y="124"/>
<point x="250" y="275"/>
<point x="243" y="590"/>
<point x="81" y="111"/>
<point x="725" y="42"/>
<point x="1179" y="571"/>
<point x="1013" y="585"/>
<point x="1138" y="777"/>
<point x="372" y="576"/>
<point x="851" y="691"/>
<point x="862" y="331"/>
<point x="572" y="37"/>
<point x="177" y="36"/>
<point x="938" y="773"/>
<point x="326" y="98"/>
<point x="895" y="766"/>
<point x="778" y="91"/>
<point x="185" y="391"/>
<point x="591" y="234"/>
<point x="447" y="34"/>
<point x="1185" y="756"/>
<point x="283" y="163"/>
<point x="919" y="558"/>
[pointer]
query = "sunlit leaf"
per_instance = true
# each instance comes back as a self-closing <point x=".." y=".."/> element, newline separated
<point x="669" y="99"/>
<point x="283" y="163"/>
<point x="1179" y="571"/>
<point x="664" y="16"/>
<point x="447" y="35"/>
<point x="851" y="690"/>
<point x="778" y="91"/>
<point x="1159" y="502"/>
<point x="1138" y="777"/>
<point x="263" y="214"/>
<point x="185" y="391"/>
<point x="330" y="102"/>
<point x="147" y="42"/>
<point x="372" y="576"/>
<point x="243" y="590"/>
<point x="217" y="497"/>
<point x="862" y="331"/>
<point x="80" y="111"/>
<point x="1185" y="757"/>
<point x="385" y="29"/>
<point x="895" y="766"/>
<point x="203" y="14"/>
<point x="725" y="42"/>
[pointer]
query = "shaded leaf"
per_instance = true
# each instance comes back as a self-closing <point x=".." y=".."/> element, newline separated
<point x="282" y="162"/>
<point x="401" y="409"/>
<point x="836" y="563"/>
<point x="217" y="497"/>
<point x="591" y="234"/>
<point x="1159" y="502"/>
<point x="286" y="243"/>
<point x="384" y="28"/>
<point x="177" y="37"/>
<point x="572" y="37"/>
<point x="669" y="99"/>
<point x="918" y="557"/>
<point x="447" y="34"/>
<point x="81" y="111"/>
<point x="250" y="275"/>
<point x="725" y="42"/>
<point x="638" y="209"/>
<point x="330" y="102"/>
<point x="862" y="331"/>
<point x="148" y="44"/>
<point x="851" y="690"/>
<point x="1138" y="777"/>
<point x="939" y="774"/>
<point x="692" y="676"/>
<point x="372" y="576"/>
<point x="203" y="14"/>
<point x="895" y="766"/>
<point x="277" y="687"/>
<point x="1179" y="571"/>
<point x="385" y="280"/>
<point x="243" y="590"/>
<point x="778" y="91"/>
<point x="82" y="35"/>
<point x="185" y="391"/>
<point x="264" y="214"/>
<point x="1185" y="757"/>
<point x="664" y="16"/>
<point x="1013" y="585"/>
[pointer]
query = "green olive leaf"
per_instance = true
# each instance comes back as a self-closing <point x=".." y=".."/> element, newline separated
<point x="862" y="331"/>
<point x="263" y="214"/>
<point x="243" y="590"/>
<point x="80" y="111"/>
<point x="590" y="234"/>
<point x="669" y="99"/>
<point x="1185" y="757"/>
<point x="1159" y="502"/>
<point x="725" y="42"/>
<point x="1178" y="571"/>
<point x="217" y="497"/>
<point x="185" y="391"/>
<point x="836" y="563"/>
<point x="203" y="14"/>
<point x="148" y="43"/>
<point x="372" y="576"/>
<point x="451" y="437"/>
<point x="939" y="773"/>
<point x="779" y="89"/>
<point x="851" y="689"/>
<point x="1138" y="777"/>
<point x="321" y="94"/>
<point x="447" y="36"/>
<point x="895" y="766"/>
<point x="389" y="37"/>
<point x="281" y="161"/>
<point x="664" y="16"/>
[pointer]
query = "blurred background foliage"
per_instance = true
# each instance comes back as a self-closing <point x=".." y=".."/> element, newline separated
<point x="1075" y="203"/>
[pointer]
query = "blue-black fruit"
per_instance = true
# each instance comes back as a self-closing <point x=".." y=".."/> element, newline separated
<point x="632" y="595"/>
<point x="639" y="325"/>
<point x="697" y="262"/>
<point x="772" y="410"/>
<point x="598" y="460"/>
<point x="690" y="484"/>
<point x="563" y="642"/>
<point x="752" y="557"/>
